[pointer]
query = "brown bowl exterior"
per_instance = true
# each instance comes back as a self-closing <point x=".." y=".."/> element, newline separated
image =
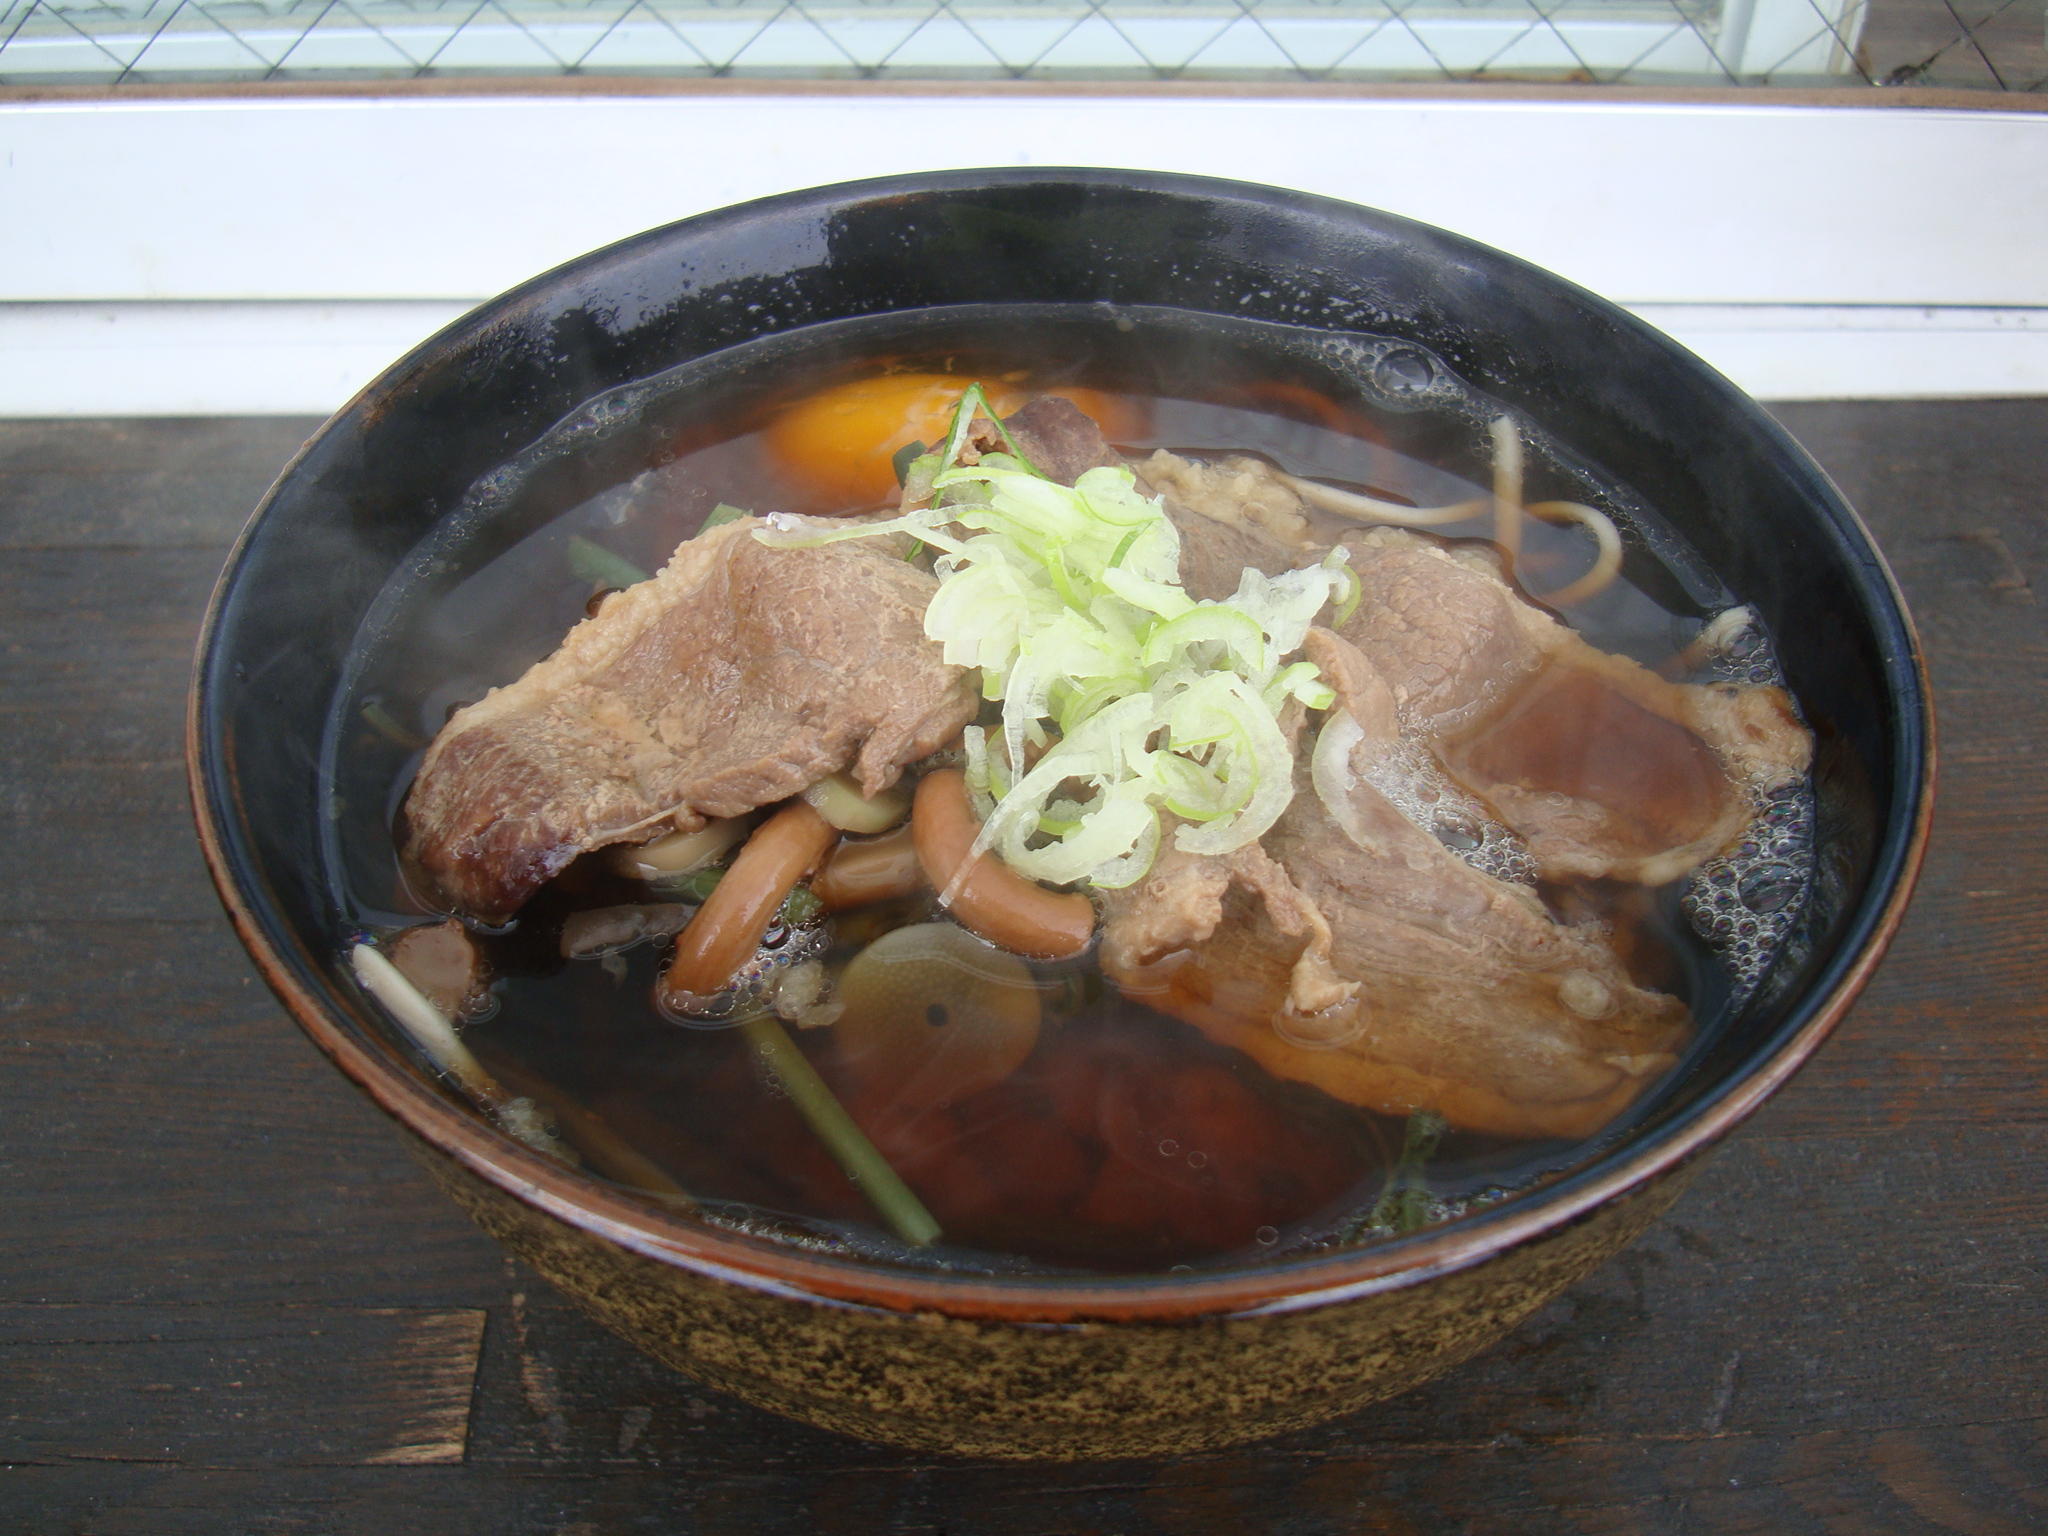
<point x="968" y="1386"/>
<point x="1012" y="1367"/>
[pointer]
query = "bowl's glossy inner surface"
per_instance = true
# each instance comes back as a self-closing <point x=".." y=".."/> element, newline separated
<point x="1133" y="283"/>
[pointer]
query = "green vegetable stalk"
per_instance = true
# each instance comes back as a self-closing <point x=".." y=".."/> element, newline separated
<point x="1406" y="1205"/>
<point x="847" y="1142"/>
<point x="593" y="562"/>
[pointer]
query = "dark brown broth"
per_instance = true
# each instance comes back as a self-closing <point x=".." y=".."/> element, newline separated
<point x="1126" y="1142"/>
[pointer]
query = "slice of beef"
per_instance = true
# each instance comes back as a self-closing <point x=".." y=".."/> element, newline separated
<point x="737" y="677"/>
<point x="1366" y="959"/>
<point x="1231" y="515"/>
<point x="1060" y="439"/>
<point x="1444" y="631"/>
<point x="1600" y="765"/>
<point x="1240" y="492"/>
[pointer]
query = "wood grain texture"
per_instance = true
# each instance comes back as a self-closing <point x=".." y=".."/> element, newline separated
<point x="1839" y="1330"/>
<point x="236" y="1386"/>
<point x="1955" y="1030"/>
<point x="151" y="482"/>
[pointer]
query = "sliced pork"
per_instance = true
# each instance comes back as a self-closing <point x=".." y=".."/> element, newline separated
<point x="736" y="677"/>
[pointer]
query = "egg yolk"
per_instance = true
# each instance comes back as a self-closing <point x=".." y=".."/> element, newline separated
<point x="837" y="446"/>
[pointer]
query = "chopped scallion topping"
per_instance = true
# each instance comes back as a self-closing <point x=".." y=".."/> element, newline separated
<point x="1069" y="600"/>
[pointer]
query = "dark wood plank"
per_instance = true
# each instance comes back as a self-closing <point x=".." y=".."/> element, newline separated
<point x="236" y="1386"/>
<point x="98" y="648"/>
<point x="1952" y="1030"/>
<point x="170" y="1137"/>
<point x="1832" y="1483"/>
<point x="150" y="481"/>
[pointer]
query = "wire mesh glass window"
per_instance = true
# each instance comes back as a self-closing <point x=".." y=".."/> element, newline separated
<point x="1716" y="40"/>
<point x="1646" y="41"/>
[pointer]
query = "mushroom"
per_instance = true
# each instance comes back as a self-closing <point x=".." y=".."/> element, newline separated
<point x="934" y="1014"/>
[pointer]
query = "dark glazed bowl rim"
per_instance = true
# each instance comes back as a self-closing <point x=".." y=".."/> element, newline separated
<point x="1284" y="1285"/>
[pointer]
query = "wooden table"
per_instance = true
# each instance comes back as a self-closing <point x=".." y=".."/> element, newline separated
<point x="231" y="1304"/>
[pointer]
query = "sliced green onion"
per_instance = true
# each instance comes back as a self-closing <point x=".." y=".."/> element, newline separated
<point x="975" y="741"/>
<point x="1339" y="561"/>
<point x="1159" y="597"/>
<point x="904" y="457"/>
<point x="1210" y="623"/>
<point x="963" y="418"/>
<point x="975" y="402"/>
<point x="1301" y="680"/>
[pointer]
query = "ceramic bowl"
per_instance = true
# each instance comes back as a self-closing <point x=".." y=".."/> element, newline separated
<point x="1056" y="1367"/>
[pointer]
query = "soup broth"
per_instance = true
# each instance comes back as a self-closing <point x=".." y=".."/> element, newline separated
<point x="1124" y="1140"/>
